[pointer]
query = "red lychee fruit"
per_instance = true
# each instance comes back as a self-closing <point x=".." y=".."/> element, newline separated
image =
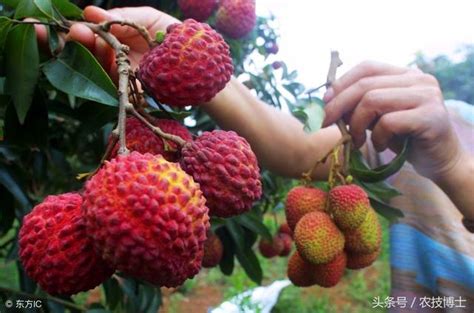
<point x="226" y="168"/>
<point x="349" y="205"/>
<point x="148" y="218"/>
<point x="285" y="229"/>
<point x="270" y="249"/>
<point x="142" y="139"/>
<point x="300" y="272"/>
<point x="287" y="243"/>
<point x="55" y="249"/>
<point x="329" y="274"/>
<point x="357" y="261"/>
<point x="236" y="18"/>
<point x="199" y="10"/>
<point x="317" y="238"/>
<point x="302" y="200"/>
<point x="213" y="250"/>
<point x="189" y="67"/>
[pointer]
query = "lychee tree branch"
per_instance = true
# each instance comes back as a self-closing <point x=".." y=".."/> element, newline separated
<point x="139" y="28"/>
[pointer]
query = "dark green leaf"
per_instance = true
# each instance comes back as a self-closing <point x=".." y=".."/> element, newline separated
<point x="46" y="7"/>
<point x="22" y="67"/>
<point x="53" y="41"/>
<point x="360" y="170"/>
<point x="380" y="190"/>
<point x="250" y="264"/>
<point x="227" y="262"/>
<point x="7" y="180"/>
<point x="97" y="311"/>
<point x="113" y="293"/>
<point x="236" y="232"/>
<point x="7" y="211"/>
<point x="253" y="223"/>
<point x="11" y="3"/>
<point x="28" y="8"/>
<point x="77" y="72"/>
<point x="390" y="213"/>
<point x="5" y="25"/>
<point x="67" y="9"/>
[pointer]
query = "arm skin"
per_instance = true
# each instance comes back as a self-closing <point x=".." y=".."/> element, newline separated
<point x="391" y="101"/>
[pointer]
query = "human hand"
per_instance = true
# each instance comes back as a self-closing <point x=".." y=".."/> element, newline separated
<point x="152" y="19"/>
<point x="395" y="103"/>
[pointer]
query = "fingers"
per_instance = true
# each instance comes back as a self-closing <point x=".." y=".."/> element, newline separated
<point x="377" y="103"/>
<point x="82" y="34"/>
<point x="97" y="15"/>
<point x="347" y="99"/>
<point x="364" y="69"/>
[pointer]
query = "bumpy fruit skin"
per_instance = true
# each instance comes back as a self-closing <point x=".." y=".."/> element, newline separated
<point x="142" y="139"/>
<point x="55" y="249"/>
<point x="270" y="249"/>
<point x="302" y="200"/>
<point x="357" y="261"/>
<point x="287" y="243"/>
<point x="285" y="229"/>
<point x="213" y="251"/>
<point x="330" y="273"/>
<point x="226" y="168"/>
<point x="367" y="237"/>
<point x="199" y="10"/>
<point x="317" y="238"/>
<point x="236" y="18"/>
<point x="148" y="218"/>
<point x="349" y="205"/>
<point x="300" y="272"/>
<point x="189" y="67"/>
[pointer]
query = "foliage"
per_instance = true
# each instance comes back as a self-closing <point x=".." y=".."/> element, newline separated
<point x="455" y="77"/>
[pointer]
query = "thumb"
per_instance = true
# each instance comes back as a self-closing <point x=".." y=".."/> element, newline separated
<point x="97" y="15"/>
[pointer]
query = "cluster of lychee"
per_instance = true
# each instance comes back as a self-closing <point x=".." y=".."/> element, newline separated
<point x="146" y="213"/>
<point x="279" y="245"/>
<point x="332" y="231"/>
<point x="234" y="18"/>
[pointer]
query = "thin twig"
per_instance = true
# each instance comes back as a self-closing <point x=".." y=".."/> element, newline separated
<point x="176" y="139"/>
<point x="312" y="90"/>
<point x="335" y="63"/>
<point x="123" y="69"/>
<point x="48" y="297"/>
<point x="62" y="27"/>
<point x="141" y="29"/>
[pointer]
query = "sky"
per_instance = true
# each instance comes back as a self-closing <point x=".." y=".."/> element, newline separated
<point x="382" y="30"/>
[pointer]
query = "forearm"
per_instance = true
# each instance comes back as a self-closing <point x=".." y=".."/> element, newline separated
<point x="277" y="138"/>
<point x="458" y="184"/>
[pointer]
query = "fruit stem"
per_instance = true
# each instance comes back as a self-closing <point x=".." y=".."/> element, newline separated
<point x="46" y="298"/>
<point x="176" y="139"/>
<point x="335" y="63"/>
<point x="140" y="29"/>
<point x="123" y="69"/>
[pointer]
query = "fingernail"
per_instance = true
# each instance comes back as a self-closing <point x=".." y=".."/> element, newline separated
<point x="328" y="95"/>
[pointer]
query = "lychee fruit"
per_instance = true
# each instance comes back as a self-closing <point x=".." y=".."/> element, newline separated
<point x="272" y="47"/>
<point x="277" y="65"/>
<point x="330" y="273"/>
<point x="285" y="229"/>
<point x="55" y="249"/>
<point x="199" y="10"/>
<point x="317" y="238"/>
<point x="270" y="249"/>
<point x="300" y="272"/>
<point x="226" y="168"/>
<point x="140" y="138"/>
<point x="189" y="67"/>
<point x="236" y="18"/>
<point x="287" y="243"/>
<point x="302" y="200"/>
<point x="367" y="237"/>
<point x="148" y="218"/>
<point x="348" y="205"/>
<point x="213" y="250"/>
<point x="357" y="261"/>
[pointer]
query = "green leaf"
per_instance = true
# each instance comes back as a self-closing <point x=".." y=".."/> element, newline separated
<point x="390" y="213"/>
<point x="11" y="3"/>
<point x="227" y="262"/>
<point x="250" y="264"/>
<point x="46" y="7"/>
<point x="360" y="170"/>
<point x="22" y="67"/>
<point x="53" y="40"/>
<point x="253" y="223"/>
<point x="67" y="9"/>
<point x="113" y="293"/>
<point x="77" y="72"/>
<point x="8" y="211"/>
<point x="315" y="116"/>
<point x="5" y="25"/>
<point x="7" y="180"/>
<point x="28" y="8"/>
<point x="236" y="233"/>
<point x="179" y="116"/>
<point x="380" y="190"/>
